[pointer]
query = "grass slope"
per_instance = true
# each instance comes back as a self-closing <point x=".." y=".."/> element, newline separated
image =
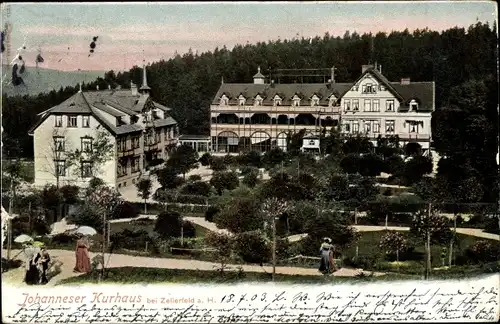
<point x="44" y="80"/>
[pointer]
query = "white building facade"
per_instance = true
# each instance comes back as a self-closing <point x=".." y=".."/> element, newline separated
<point x="260" y="116"/>
<point x="139" y="129"/>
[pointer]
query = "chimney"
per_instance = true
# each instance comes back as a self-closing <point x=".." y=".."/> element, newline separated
<point x="133" y="88"/>
<point x="366" y="67"/>
<point x="405" y="81"/>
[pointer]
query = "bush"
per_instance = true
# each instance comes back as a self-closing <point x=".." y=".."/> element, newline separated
<point x="224" y="180"/>
<point x="194" y="177"/>
<point x="168" y="224"/>
<point x="21" y="225"/>
<point x="64" y="238"/>
<point x="127" y="210"/>
<point x="251" y="179"/>
<point x="251" y="247"/>
<point x="188" y="229"/>
<point x="483" y="251"/>
<point x="198" y="188"/>
<point x="210" y="213"/>
<point x="205" y="159"/>
<point x="217" y="164"/>
<point x="365" y="262"/>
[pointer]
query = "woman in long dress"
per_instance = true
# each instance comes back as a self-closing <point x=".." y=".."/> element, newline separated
<point x="325" y="251"/>
<point x="31" y="252"/>
<point x="82" y="256"/>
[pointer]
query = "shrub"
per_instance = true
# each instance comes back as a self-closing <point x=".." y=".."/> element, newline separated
<point x="252" y="247"/>
<point x="188" y="229"/>
<point x="224" y="180"/>
<point x="210" y="213"/>
<point x="217" y="164"/>
<point x="229" y="159"/>
<point x="64" y="238"/>
<point x="168" y="224"/>
<point x="483" y="251"/>
<point x="21" y="225"/>
<point x="240" y="214"/>
<point x="127" y="210"/>
<point x="198" y="188"/>
<point x="393" y="243"/>
<point x="251" y="179"/>
<point x="194" y="177"/>
<point x="366" y="262"/>
<point x="205" y="159"/>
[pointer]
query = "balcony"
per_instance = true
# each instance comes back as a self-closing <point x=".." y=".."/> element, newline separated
<point x="305" y="109"/>
<point x="128" y="152"/>
<point x="151" y="146"/>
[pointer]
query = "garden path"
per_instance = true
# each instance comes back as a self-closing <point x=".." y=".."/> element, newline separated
<point x="65" y="259"/>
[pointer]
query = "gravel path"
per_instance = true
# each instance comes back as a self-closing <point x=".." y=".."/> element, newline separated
<point x="65" y="260"/>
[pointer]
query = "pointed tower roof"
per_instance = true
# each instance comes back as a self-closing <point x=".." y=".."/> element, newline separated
<point x="259" y="75"/>
<point x="144" y="86"/>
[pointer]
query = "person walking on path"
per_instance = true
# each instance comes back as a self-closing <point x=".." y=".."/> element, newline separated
<point x="326" y="256"/>
<point x="45" y="259"/>
<point x="82" y="256"/>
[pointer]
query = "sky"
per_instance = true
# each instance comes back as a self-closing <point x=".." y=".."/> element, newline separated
<point x="129" y="33"/>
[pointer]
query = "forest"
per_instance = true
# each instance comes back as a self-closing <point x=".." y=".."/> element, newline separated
<point x="462" y="62"/>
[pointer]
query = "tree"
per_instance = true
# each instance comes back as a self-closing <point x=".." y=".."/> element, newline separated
<point x="197" y="188"/>
<point x="251" y="179"/>
<point x="393" y="242"/>
<point x="217" y="163"/>
<point x="273" y="158"/>
<point x="415" y="169"/>
<point x="169" y="224"/>
<point x="220" y="242"/>
<point x="273" y="208"/>
<point x="99" y="151"/>
<point x="224" y="180"/>
<point x="205" y="159"/>
<point x="168" y="177"/>
<point x="240" y="214"/>
<point x="184" y="158"/>
<point x="252" y="247"/>
<point x="251" y="158"/>
<point x="431" y="228"/>
<point x="144" y="187"/>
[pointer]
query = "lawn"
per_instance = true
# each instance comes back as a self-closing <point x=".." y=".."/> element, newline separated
<point x="368" y="246"/>
<point x="132" y="275"/>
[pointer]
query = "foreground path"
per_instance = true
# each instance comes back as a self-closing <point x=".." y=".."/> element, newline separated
<point x="65" y="260"/>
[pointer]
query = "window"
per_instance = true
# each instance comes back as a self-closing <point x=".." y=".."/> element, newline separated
<point x="241" y="100"/>
<point x="60" y="168"/>
<point x="157" y="137"/>
<point x="368" y="105"/>
<point x="389" y="105"/>
<point x="314" y="101"/>
<point x="414" y="126"/>
<point x="376" y="126"/>
<point x="369" y="88"/>
<point x="413" y="105"/>
<point x="332" y="101"/>
<point x="376" y="105"/>
<point x="347" y="104"/>
<point x="86" y="145"/>
<point x="277" y="101"/>
<point x="368" y="126"/>
<point x="122" y="168"/>
<point x="135" y="142"/>
<point x="382" y="88"/>
<point x="224" y="101"/>
<point x="85" y="121"/>
<point x="59" y="144"/>
<point x="135" y="164"/>
<point x="72" y="121"/>
<point x="389" y="126"/>
<point x="258" y="101"/>
<point x="355" y="104"/>
<point x="86" y="169"/>
<point x="166" y="133"/>
<point x="355" y="126"/>
<point x="58" y="121"/>
<point x="347" y="127"/>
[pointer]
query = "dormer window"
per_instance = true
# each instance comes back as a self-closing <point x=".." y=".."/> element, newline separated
<point x="258" y="100"/>
<point x="332" y="101"/>
<point x="241" y="100"/>
<point x="296" y="101"/>
<point x="382" y="88"/>
<point x="277" y="100"/>
<point x="224" y="100"/>
<point x="369" y="88"/>
<point x="314" y="101"/>
<point x="413" y="105"/>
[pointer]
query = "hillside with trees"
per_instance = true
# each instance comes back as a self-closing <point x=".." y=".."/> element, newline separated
<point x="462" y="62"/>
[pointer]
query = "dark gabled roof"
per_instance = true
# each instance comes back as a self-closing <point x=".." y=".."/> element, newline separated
<point x="164" y="122"/>
<point x="422" y="92"/>
<point x="284" y="91"/>
<point x="95" y="103"/>
<point x="381" y="78"/>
